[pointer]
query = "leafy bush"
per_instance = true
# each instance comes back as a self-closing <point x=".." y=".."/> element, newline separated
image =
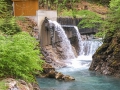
<point x="9" y="26"/>
<point x="111" y="23"/>
<point x="18" y="56"/>
<point x="89" y="19"/>
<point x="7" y="21"/>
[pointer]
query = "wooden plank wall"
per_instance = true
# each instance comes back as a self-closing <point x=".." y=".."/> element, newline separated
<point x="25" y="7"/>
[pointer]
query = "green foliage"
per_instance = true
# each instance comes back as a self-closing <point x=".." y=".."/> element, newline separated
<point x="81" y="13"/>
<point x="19" y="57"/>
<point x="111" y="23"/>
<point x="9" y="26"/>
<point x="3" y="8"/>
<point x="7" y="22"/>
<point x="2" y="85"/>
<point x="21" y="18"/>
<point x="60" y="4"/>
<point x="114" y="15"/>
<point x="103" y="2"/>
<point x="89" y="19"/>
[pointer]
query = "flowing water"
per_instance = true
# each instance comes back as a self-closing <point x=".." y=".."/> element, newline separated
<point x="78" y="68"/>
<point x="79" y="39"/>
<point x="65" y="43"/>
<point x="88" y="47"/>
<point x="84" y="79"/>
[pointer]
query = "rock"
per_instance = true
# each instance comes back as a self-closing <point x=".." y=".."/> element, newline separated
<point x="59" y="49"/>
<point x="35" y="86"/>
<point x="52" y="74"/>
<point x="47" y="68"/>
<point x="106" y="59"/>
<point x="13" y="84"/>
<point x="59" y="76"/>
<point x="68" y="78"/>
<point x="23" y="82"/>
<point x="106" y="72"/>
<point x="97" y="68"/>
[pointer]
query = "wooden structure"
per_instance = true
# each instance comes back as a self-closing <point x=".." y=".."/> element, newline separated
<point x="25" y="7"/>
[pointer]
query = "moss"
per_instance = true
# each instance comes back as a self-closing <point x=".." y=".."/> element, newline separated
<point x="110" y="48"/>
<point x="117" y="48"/>
<point x="114" y="63"/>
<point x="102" y="48"/>
<point x="108" y="38"/>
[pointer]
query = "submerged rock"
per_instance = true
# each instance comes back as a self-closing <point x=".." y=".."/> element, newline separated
<point x="68" y="78"/>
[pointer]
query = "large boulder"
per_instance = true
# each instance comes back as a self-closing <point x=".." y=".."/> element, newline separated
<point x="106" y="59"/>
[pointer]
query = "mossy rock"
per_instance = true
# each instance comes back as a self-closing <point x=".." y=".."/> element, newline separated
<point x="108" y="37"/>
<point x="110" y="49"/>
<point x="117" y="48"/>
<point x="102" y="48"/>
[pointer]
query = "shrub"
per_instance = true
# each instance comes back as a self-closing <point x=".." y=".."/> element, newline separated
<point x="9" y="26"/>
<point x="18" y="56"/>
<point x="7" y="21"/>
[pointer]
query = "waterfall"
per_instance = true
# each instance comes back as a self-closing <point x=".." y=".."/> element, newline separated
<point x="87" y="47"/>
<point x="79" y="39"/>
<point x="64" y="42"/>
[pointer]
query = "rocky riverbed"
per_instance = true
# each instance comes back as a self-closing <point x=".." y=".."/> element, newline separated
<point x="50" y="72"/>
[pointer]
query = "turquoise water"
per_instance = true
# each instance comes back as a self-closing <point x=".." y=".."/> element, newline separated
<point x="85" y="79"/>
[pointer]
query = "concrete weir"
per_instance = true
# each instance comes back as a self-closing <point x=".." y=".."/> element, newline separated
<point x="43" y="34"/>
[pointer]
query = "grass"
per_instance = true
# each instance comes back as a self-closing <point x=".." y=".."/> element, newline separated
<point x="2" y="85"/>
<point x="80" y="14"/>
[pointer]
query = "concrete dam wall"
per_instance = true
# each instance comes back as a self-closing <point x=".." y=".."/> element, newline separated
<point x="47" y="37"/>
<point x="75" y="22"/>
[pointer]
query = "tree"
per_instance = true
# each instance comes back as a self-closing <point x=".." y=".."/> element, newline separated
<point x="8" y="23"/>
<point x="111" y="23"/>
<point x="114" y="15"/>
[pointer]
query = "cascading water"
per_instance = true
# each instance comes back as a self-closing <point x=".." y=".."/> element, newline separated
<point x="79" y="38"/>
<point x="64" y="42"/>
<point x="85" y="79"/>
<point x="87" y="47"/>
